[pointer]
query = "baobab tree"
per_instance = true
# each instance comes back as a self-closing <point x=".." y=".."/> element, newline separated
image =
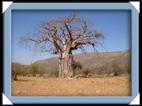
<point x="61" y="36"/>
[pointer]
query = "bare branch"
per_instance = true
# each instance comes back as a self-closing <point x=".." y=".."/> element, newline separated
<point x="80" y="44"/>
<point x="69" y="32"/>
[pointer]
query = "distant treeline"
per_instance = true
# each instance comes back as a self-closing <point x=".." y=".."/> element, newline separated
<point x="113" y="68"/>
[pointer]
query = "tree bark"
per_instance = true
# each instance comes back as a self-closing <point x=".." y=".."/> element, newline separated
<point x="65" y="65"/>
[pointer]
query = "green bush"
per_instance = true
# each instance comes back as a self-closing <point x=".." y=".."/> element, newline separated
<point x="16" y="70"/>
<point x="77" y="65"/>
<point x="88" y="70"/>
<point x="127" y="68"/>
<point x="34" y="69"/>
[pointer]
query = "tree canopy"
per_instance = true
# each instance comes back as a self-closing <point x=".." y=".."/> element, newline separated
<point x="64" y="33"/>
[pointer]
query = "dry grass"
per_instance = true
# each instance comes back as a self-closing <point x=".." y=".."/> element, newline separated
<point x="36" y="86"/>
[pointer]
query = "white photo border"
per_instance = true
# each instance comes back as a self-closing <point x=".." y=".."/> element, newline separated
<point x="7" y="12"/>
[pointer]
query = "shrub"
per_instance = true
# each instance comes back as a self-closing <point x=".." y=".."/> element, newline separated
<point x="127" y="68"/>
<point x="34" y="69"/>
<point x="16" y="70"/>
<point x="115" y="67"/>
<point x="88" y="70"/>
<point x="77" y="65"/>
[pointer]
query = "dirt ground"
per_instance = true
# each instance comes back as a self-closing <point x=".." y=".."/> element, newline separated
<point x="37" y="86"/>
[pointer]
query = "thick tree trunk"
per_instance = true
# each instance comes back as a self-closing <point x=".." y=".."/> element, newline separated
<point x="66" y="65"/>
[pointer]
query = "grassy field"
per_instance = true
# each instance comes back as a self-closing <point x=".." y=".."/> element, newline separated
<point x="37" y="86"/>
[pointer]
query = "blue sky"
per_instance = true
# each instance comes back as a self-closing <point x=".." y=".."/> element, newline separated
<point x="114" y="24"/>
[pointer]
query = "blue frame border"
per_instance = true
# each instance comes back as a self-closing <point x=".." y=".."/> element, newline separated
<point x="71" y="99"/>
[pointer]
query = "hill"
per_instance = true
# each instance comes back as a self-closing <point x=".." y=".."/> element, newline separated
<point x="92" y="59"/>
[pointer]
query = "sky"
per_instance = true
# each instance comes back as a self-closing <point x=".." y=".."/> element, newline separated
<point x="115" y="24"/>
